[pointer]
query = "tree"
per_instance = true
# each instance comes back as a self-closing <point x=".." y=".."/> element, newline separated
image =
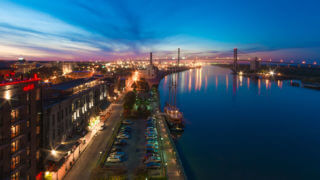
<point x="129" y="101"/>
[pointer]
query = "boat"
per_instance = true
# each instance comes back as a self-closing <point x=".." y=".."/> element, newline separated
<point x="174" y="116"/>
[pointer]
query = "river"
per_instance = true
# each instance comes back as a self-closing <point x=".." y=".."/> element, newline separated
<point x="241" y="128"/>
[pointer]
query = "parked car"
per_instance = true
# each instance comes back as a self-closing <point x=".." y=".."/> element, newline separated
<point x="153" y="159"/>
<point x="152" y="146"/>
<point x="153" y="165"/>
<point x="151" y="138"/>
<point x="152" y="132"/>
<point x="151" y="135"/>
<point x="117" y="153"/>
<point x="123" y="136"/>
<point x="151" y="150"/>
<point x="148" y="155"/>
<point x="115" y="149"/>
<point x="128" y="122"/>
<point x="114" y="159"/>
<point x="120" y="142"/>
<point x="152" y="141"/>
<point x="125" y="128"/>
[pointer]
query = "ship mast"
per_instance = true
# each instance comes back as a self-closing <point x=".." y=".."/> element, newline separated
<point x="173" y="83"/>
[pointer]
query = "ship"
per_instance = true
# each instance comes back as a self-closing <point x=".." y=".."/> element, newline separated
<point x="174" y="116"/>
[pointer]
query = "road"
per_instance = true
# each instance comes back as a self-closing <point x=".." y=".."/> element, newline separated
<point x="88" y="159"/>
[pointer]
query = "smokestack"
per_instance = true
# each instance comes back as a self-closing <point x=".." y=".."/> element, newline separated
<point x="150" y="58"/>
<point x="178" y="56"/>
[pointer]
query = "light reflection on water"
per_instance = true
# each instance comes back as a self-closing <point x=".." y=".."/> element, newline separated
<point x="192" y="81"/>
<point x="242" y="128"/>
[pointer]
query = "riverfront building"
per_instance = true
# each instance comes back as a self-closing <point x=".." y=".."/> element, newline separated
<point x="71" y="111"/>
<point x="150" y="72"/>
<point x="19" y="128"/>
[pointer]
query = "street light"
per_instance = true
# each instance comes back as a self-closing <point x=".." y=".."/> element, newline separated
<point x="7" y="95"/>
<point x="53" y="152"/>
<point x="271" y="73"/>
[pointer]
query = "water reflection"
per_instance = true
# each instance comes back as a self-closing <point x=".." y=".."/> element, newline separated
<point x="200" y="79"/>
<point x="246" y="128"/>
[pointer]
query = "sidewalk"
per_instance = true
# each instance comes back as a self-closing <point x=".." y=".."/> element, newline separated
<point x="174" y="166"/>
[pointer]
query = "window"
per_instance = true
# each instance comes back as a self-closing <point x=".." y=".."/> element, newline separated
<point x="28" y="150"/>
<point x="28" y="123"/>
<point x="14" y="114"/>
<point x="15" y="176"/>
<point x="38" y="129"/>
<point x="38" y="95"/>
<point x="15" y="131"/>
<point x="38" y="155"/>
<point x="15" y="161"/>
<point x="15" y="145"/>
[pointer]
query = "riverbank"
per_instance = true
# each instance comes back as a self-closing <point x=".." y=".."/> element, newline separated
<point x="309" y="77"/>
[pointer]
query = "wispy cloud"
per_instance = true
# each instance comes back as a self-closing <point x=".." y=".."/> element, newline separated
<point x="98" y="29"/>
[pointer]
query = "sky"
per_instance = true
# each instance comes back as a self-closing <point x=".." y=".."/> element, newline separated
<point x="111" y="29"/>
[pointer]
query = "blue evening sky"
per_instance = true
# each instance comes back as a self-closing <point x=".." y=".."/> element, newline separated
<point x="108" y="29"/>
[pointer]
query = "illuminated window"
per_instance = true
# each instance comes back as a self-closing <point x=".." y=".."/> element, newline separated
<point x="38" y="129"/>
<point x="38" y="155"/>
<point x="14" y="114"/>
<point x="15" y="161"/>
<point x="38" y="94"/>
<point x="15" y="176"/>
<point x="15" y="146"/>
<point x="15" y="130"/>
<point x="28" y="150"/>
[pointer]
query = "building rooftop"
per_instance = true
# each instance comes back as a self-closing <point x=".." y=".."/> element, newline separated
<point x="19" y="81"/>
<point x="71" y="84"/>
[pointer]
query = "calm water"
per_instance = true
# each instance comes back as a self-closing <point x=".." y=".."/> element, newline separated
<point x="240" y="128"/>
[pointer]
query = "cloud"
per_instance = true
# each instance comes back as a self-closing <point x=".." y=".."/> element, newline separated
<point x="110" y="29"/>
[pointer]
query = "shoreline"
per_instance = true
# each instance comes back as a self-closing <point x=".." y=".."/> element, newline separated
<point x="309" y="82"/>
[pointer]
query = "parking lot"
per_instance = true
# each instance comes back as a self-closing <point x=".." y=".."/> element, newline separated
<point x="136" y="148"/>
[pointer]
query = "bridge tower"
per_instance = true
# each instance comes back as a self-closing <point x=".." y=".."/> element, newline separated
<point x="235" y="60"/>
<point x="178" y="56"/>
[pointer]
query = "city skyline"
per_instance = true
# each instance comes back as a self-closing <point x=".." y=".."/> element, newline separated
<point x="100" y="30"/>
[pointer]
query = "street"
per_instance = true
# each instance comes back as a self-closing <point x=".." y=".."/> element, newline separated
<point x="88" y="159"/>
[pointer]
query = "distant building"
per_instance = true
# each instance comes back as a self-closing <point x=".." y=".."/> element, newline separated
<point x="79" y="74"/>
<point x="19" y="129"/>
<point x="254" y="64"/>
<point x="22" y="66"/>
<point x="150" y="71"/>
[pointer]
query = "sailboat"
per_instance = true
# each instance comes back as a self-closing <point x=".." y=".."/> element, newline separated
<point x="174" y="115"/>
